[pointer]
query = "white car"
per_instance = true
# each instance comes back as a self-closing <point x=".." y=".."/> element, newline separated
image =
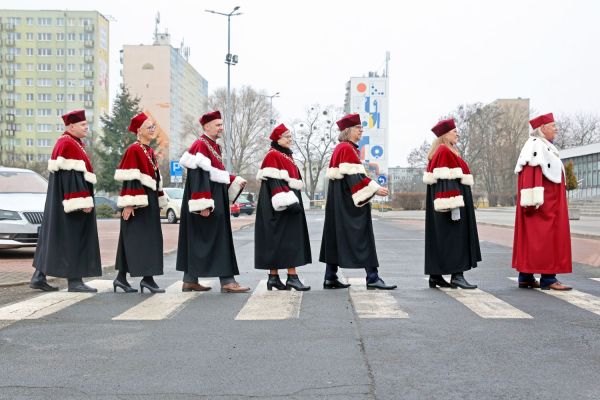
<point x="172" y="211"/>
<point x="22" y="199"/>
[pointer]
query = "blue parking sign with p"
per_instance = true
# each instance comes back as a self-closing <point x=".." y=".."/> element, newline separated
<point x="176" y="168"/>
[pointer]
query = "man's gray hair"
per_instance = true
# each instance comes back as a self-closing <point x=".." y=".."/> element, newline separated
<point x="344" y="135"/>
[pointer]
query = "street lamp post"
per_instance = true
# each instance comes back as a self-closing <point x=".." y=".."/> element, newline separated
<point x="230" y="59"/>
<point x="271" y="122"/>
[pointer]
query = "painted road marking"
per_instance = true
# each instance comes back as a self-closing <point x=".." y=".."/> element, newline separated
<point x="270" y="305"/>
<point x="485" y="304"/>
<point x="373" y="303"/>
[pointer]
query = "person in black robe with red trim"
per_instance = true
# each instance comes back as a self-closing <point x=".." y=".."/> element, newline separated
<point x="280" y="230"/>
<point x="68" y="245"/>
<point x="140" y="249"/>
<point x="451" y="239"/>
<point x="348" y="239"/>
<point x="205" y="239"/>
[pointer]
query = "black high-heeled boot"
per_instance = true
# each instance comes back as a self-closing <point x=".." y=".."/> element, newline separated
<point x="458" y="279"/>
<point x="438" y="280"/>
<point x="125" y="286"/>
<point x="275" y="282"/>
<point x="148" y="283"/>
<point x="294" y="282"/>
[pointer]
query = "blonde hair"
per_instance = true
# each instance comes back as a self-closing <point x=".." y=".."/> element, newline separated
<point x="344" y="135"/>
<point x="440" y="141"/>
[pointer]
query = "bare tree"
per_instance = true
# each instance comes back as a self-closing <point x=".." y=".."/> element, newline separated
<point x="190" y="130"/>
<point x="417" y="158"/>
<point x="315" y="137"/>
<point x="250" y="126"/>
<point x="577" y="130"/>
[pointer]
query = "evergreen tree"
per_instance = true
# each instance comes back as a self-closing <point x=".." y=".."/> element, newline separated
<point x="116" y="138"/>
<point x="571" y="182"/>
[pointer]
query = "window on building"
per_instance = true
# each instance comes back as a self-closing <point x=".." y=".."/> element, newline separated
<point x="14" y="35"/>
<point x="44" y="67"/>
<point x="85" y="21"/>
<point x="44" y="112"/>
<point x="15" y="51"/>
<point x="29" y="51"/>
<point x="60" y="112"/>
<point x="29" y="112"/>
<point x="29" y="21"/>
<point x="29" y="142"/>
<point x="44" y="82"/>
<point x="14" y="20"/>
<point x="60" y="82"/>
<point x="29" y="157"/>
<point x="71" y="37"/>
<point x="44" y="97"/>
<point x="71" y="97"/>
<point x="60" y="67"/>
<point x="71" y="21"/>
<point x="29" y="36"/>
<point x="60" y="52"/>
<point x="28" y="82"/>
<point x="44" y="142"/>
<point x="71" y="67"/>
<point x="29" y="97"/>
<point x="44" y="36"/>
<point x="60" y="127"/>
<point x="30" y="66"/>
<point x="71" y="82"/>
<point x="71" y="52"/>
<point x="45" y="21"/>
<point x="29" y="127"/>
<point x="60" y="36"/>
<point x="44" y="52"/>
<point x="43" y="157"/>
<point x="60" y="22"/>
<point x="60" y="97"/>
<point x="44" y="127"/>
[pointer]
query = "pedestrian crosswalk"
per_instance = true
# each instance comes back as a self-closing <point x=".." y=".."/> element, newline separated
<point x="263" y="305"/>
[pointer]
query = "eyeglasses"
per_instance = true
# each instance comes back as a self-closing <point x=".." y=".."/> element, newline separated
<point x="151" y="128"/>
<point x="286" y="136"/>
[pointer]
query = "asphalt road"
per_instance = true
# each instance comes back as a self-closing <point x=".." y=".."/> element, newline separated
<point x="327" y="350"/>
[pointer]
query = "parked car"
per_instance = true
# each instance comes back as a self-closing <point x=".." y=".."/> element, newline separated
<point x="235" y="210"/>
<point x="101" y="200"/>
<point x="246" y="202"/>
<point x="172" y="211"/>
<point x="22" y="199"/>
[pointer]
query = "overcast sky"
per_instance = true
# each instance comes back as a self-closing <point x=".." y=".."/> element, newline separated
<point x="443" y="53"/>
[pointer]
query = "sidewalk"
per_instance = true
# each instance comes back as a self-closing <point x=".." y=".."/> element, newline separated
<point x="496" y="225"/>
<point x="15" y="264"/>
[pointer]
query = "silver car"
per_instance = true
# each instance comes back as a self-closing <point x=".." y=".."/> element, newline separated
<point x="22" y="199"/>
<point x="172" y="211"/>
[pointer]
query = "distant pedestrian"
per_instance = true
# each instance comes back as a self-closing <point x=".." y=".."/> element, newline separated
<point x="542" y="241"/>
<point x="348" y="239"/>
<point x="68" y="245"/>
<point x="280" y="231"/>
<point x="140" y="249"/>
<point x="451" y="239"/>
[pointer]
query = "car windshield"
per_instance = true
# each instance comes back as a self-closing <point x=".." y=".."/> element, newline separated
<point x="22" y="182"/>
<point x="245" y="198"/>
<point x="175" y="193"/>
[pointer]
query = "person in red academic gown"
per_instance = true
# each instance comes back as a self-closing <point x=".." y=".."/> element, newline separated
<point x="140" y="249"/>
<point x="68" y="244"/>
<point x="348" y="239"/>
<point x="280" y="231"/>
<point x="451" y="239"/>
<point x="205" y="240"/>
<point x="542" y="241"/>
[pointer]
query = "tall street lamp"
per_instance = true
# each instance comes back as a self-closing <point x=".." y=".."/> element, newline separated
<point x="271" y="121"/>
<point x="230" y="59"/>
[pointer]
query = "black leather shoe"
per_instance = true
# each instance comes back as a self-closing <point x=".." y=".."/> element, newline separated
<point x="125" y="286"/>
<point x="334" y="284"/>
<point x="460" y="281"/>
<point x="81" y="287"/>
<point x="438" y="280"/>
<point x="151" y="286"/>
<point x="43" y="285"/>
<point x="293" y="282"/>
<point x="379" y="284"/>
<point x="275" y="282"/>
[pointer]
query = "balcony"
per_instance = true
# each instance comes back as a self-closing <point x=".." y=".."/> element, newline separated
<point x="88" y="43"/>
<point x="89" y="89"/>
<point x="89" y="104"/>
<point x="88" y="59"/>
<point x="10" y="42"/>
<point x="10" y="57"/>
<point x="10" y="88"/>
<point x="10" y="103"/>
<point x="10" y="72"/>
<point x="88" y="74"/>
<point x="9" y="27"/>
<point x="89" y="28"/>
<point x="9" y="132"/>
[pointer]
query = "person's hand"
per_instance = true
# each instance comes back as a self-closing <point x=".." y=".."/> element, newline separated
<point x="87" y="210"/>
<point x="243" y="185"/>
<point x="128" y="212"/>
<point x="382" y="191"/>
<point x="205" y="213"/>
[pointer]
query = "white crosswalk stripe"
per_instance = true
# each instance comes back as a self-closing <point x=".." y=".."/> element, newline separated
<point x="50" y="303"/>
<point x="270" y="305"/>
<point x="373" y="303"/>
<point x="579" y="299"/>
<point x="485" y="304"/>
<point x="595" y="279"/>
<point x="161" y="305"/>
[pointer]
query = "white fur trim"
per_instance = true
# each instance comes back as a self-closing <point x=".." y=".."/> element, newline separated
<point x="140" y="200"/>
<point x="199" y="160"/>
<point x="532" y="197"/>
<point x="162" y="201"/>
<point x="429" y="178"/>
<point x="282" y="174"/>
<point x="448" y="203"/>
<point x="467" y="180"/>
<point x="201" y="204"/>
<point x="78" y="203"/>
<point x="365" y="194"/>
<point x="71" y="165"/>
<point x="236" y="188"/>
<point x="283" y="199"/>
<point x="537" y="151"/>
<point x="135" y="174"/>
<point x="345" y="169"/>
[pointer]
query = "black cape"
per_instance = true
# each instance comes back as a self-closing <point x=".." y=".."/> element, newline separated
<point x="280" y="238"/>
<point x="68" y="244"/>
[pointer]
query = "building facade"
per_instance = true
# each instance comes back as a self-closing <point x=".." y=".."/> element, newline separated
<point x="406" y="180"/>
<point x="369" y="97"/>
<point x="51" y="61"/>
<point x="586" y="167"/>
<point x="169" y="89"/>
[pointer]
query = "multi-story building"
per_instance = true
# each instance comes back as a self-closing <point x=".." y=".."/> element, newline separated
<point x="586" y="167"/>
<point x="169" y="89"/>
<point x="51" y="61"/>
<point x="406" y="180"/>
<point x="369" y="97"/>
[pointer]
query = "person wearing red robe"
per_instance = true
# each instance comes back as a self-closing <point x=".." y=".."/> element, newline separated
<point x="542" y="241"/>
